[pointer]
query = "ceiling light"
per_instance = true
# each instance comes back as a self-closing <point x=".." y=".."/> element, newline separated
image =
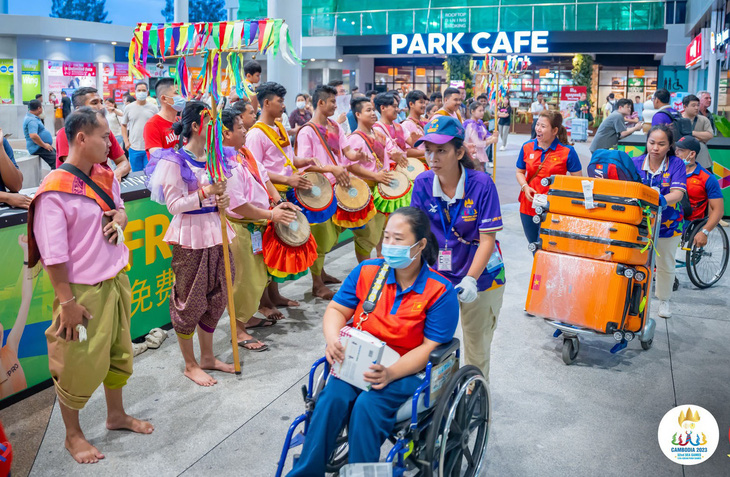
<point x="114" y="43"/>
<point x="68" y="39"/>
<point x="312" y="59"/>
<point x="370" y="27"/>
<point x="353" y="23"/>
<point x="339" y="60"/>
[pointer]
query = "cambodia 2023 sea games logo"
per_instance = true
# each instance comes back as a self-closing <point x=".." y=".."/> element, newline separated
<point x="688" y="434"/>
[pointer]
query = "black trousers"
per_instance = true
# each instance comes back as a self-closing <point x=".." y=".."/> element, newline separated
<point x="48" y="156"/>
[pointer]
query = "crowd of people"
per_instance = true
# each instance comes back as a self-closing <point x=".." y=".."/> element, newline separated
<point x="439" y="260"/>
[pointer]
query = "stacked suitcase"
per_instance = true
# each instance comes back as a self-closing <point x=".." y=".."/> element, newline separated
<point x="592" y="270"/>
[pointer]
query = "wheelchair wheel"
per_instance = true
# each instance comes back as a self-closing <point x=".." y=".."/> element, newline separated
<point x="339" y="455"/>
<point x="457" y="438"/>
<point x="706" y="265"/>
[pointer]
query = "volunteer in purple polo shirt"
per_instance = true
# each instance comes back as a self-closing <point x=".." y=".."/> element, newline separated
<point x="463" y="207"/>
<point x="662" y="170"/>
<point x="661" y="99"/>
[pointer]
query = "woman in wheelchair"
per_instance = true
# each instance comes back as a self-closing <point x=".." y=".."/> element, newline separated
<point x="416" y="311"/>
<point x="703" y="191"/>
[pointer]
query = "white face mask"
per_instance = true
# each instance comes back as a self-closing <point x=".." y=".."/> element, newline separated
<point x="301" y="104"/>
<point x="141" y="95"/>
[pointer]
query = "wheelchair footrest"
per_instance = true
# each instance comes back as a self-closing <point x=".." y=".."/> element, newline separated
<point x="297" y="440"/>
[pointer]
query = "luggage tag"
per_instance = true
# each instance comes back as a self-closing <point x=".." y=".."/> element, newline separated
<point x="444" y="260"/>
<point x="539" y="200"/>
<point x="256" y="242"/>
<point x="588" y="194"/>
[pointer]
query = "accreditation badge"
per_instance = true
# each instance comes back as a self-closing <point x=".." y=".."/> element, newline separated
<point x="444" y="261"/>
<point x="256" y="242"/>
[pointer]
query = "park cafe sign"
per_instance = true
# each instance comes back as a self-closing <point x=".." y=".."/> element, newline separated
<point x="469" y="43"/>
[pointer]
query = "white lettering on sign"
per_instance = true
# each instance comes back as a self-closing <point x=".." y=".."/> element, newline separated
<point x="502" y="44"/>
<point x="397" y="42"/>
<point x="479" y="43"/>
<point x="452" y="43"/>
<point x="539" y="42"/>
<point x="475" y="43"/>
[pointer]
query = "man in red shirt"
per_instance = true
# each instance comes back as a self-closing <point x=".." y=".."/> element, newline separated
<point x="87" y="96"/>
<point x="158" y="130"/>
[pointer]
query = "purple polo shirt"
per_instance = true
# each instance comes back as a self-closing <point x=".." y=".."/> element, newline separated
<point x="672" y="175"/>
<point x="478" y="212"/>
<point x="661" y="118"/>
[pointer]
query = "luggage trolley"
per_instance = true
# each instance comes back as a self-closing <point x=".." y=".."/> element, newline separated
<point x="441" y="431"/>
<point x="632" y="317"/>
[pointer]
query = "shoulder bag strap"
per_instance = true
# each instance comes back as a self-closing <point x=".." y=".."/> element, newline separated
<point x="87" y="180"/>
<point x="376" y="289"/>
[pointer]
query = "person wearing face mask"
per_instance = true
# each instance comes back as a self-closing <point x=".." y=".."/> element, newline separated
<point x="416" y="311"/>
<point x="662" y="170"/>
<point x="463" y="207"/>
<point x="300" y="116"/>
<point x="134" y="120"/>
<point x="158" y="133"/>
<point x="703" y="190"/>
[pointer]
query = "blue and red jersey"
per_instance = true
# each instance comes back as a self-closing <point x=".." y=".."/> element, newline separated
<point x="402" y="318"/>
<point x="701" y="187"/>
<point x="558" y="159"/>
<point x="672" y="175"/>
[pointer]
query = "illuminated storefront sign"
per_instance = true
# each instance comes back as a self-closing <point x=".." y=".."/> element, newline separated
<point x="470" y="43"/>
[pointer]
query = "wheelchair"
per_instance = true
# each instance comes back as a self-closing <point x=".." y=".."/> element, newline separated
<point x="442" y="430"/>
<point x="705" y="265"/>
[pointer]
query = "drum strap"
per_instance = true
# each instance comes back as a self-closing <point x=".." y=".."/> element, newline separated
<point x="323" y="140"/>
<point x="276" y="139"/>
<point x="371" y="147"/>
<point x="376" y="289"/>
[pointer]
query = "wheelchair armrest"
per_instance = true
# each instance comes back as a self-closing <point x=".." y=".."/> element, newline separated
<point x="443" y="351"/>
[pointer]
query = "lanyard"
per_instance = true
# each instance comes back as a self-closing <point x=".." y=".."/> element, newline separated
<point x="371" y="299"/>
<point x="455" y="217"/>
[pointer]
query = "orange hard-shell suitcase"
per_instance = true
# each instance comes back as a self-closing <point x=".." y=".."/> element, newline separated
<point x="591" y="294"/>
<point x="617" y="201"/>
<point x="598" y="239"/>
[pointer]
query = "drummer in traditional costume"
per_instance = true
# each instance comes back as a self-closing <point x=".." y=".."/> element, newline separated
<point x="413" y="125"/>
<point x="376" y="169"/>
<point x="269" y="143"/>
<point x="452" y="104"/>
<point x="251" y="209"/>
<point x="77" y="234"/>
<point x="178" y="179"/>
<point x="324" y="139"/>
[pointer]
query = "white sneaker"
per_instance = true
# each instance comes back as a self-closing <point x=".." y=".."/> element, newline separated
<point x="664" y="311"/>
<point x="502" y="148"/>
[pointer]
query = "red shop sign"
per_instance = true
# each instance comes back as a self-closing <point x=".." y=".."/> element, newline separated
<point x="572" y="93"/>
<point x="78" y="69"/>
<point x="694" y="52"/>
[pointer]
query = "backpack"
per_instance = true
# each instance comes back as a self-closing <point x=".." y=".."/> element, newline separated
<point x="613" y="164"/>
<point x="680" y="126"/>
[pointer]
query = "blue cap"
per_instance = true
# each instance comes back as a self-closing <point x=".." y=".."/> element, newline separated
<point x="441" y="129"/>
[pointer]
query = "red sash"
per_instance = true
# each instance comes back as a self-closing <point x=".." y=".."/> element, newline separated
<point x="63" y="181"/>
<point x="332" y="141"/>
<point x="376" y="148"/>
<point x="246" y="159"/>
<point x="395" y="132"/>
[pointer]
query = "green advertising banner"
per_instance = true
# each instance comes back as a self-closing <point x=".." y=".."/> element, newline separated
<point x="30" y="76"/>
<point x="7" y="87"/>
<point x="26" y="305"/>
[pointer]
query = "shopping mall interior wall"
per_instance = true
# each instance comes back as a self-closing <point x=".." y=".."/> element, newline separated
<point x="64" y="50"/>
<point x="8" y="47"/>
<point x="676" y="45"/>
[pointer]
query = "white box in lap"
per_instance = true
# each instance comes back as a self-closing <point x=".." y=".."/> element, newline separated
<point x="375" y="469"/>
<point x="361" y="351"/>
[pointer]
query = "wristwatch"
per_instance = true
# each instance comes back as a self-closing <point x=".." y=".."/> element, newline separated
<point x="706" y="232"/>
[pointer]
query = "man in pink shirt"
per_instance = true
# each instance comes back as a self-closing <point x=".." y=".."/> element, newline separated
<point x="88" y="96"/>
<point x="77" y="232"/>
<point x="269" y="143"/>
<point x="452" y="104"/>
<point x="325" y="140"/>
<point x="375" y="169"/>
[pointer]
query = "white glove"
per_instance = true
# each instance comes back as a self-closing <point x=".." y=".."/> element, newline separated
<point x="467" y="289"/>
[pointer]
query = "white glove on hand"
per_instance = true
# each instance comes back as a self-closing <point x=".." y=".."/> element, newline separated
<point x="467" y="289"/>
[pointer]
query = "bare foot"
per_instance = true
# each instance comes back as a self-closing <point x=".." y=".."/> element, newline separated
<point x="271" y="313"/>
<point x="329" y="279"/>
<point x="216" y="365"/>
<point x="81" y="450"/>
<point x="198" y="376"/>
<point x="129" y="423"/>
<point x="283" y="301"/>
<point x="321" y="291"/>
